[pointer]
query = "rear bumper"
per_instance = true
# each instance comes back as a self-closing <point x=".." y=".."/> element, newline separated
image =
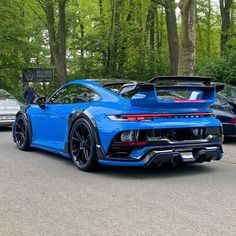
<point x="6" y="123"/>
<point x="174" y="155"/>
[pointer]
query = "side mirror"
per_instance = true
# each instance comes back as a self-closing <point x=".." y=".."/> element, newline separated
<point x="41" y="101"/>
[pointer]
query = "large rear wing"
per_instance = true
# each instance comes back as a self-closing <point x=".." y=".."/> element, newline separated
<point x="179" y="96"/>
<point x="189" y="79"/>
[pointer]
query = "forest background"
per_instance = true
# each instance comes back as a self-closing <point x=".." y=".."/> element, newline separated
<point x="116" y="39"/>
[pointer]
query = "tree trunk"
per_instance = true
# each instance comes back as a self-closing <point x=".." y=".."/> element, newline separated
<point x="187" y="40"/>
<point x="199" y="30"/>
<point x="109" y="49"/>
<point x="172" y="36"/>
<point x="225" y="22"/>
<point x="152" y="40"/>
<point x="62" y="40"/>
<point x="123" y="48"/>
<point x="81" y="25"/>
<point x="147" y="26"/>
<point x="57" y="40"/>
<point x="209" y="15"/>
<point x="139" y="41"/>
<point x="159" y="28"/>
<point x="115" y="65"/>
<point x="104" y="52"/>
<point x="171" y="23"/>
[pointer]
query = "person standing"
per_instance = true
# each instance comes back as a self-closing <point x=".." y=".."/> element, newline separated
<point x="29" y="94"/>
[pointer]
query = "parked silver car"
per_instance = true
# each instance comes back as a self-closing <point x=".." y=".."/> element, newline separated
<point x="8" y="108"/>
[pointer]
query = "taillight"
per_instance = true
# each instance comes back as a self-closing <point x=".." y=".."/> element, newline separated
<point x="129" y="144"/>
<point x="233" y="120"/>
<point x="143" y="117"/>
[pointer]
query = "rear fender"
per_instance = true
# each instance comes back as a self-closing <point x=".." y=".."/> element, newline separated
<point x="75" y="115"/>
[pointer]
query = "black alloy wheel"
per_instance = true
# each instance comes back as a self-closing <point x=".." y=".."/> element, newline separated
<point x="21" y="133"/>
<point x="83" y="145"/>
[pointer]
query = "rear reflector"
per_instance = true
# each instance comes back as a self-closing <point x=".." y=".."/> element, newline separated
<point x="233" y="120"/>
<point x="191" y="101"/>
<point x="129" y="144"/>
<point x="143" y="116"/>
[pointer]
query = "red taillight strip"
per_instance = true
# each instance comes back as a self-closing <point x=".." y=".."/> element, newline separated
<point x="233" y="120"/>
<point x="147" y="115"/>
<point x="129" y="143"/>
<point x="141" y="117"/>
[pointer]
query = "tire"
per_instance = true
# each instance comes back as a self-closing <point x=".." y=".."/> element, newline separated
<point x="21" y="133"/>
<point x="83" y="145"/>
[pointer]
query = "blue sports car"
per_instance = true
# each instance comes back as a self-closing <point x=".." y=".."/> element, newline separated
<point x="124" y="124"/>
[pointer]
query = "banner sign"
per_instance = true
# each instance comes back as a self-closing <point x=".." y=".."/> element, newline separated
<point x="37" y="74"/>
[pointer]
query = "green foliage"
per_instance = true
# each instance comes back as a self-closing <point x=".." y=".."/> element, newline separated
<point x="224" y="68"/>
<point x="106" y="38"/>
<point x="115" y="41"/>
<point x="20" y="42"/>
<point x="207" y="31"/>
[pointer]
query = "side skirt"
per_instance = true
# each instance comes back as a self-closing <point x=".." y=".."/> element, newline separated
<point x="51" y="150"/>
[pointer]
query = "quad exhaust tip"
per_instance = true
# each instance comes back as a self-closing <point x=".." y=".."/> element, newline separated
<point x="178" y="158"/>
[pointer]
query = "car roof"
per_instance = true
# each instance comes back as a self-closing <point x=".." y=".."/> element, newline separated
<point x="4" y="94"/>
<point x="97" y="87"/>
<point x="83" y="82"/>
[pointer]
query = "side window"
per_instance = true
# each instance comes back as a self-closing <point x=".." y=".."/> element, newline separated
<point x="74" y="94"/>
<point x="59" y="97"/>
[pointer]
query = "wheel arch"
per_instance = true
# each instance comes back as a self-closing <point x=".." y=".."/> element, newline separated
<point x="24" y="113"/>
<point x="74" y="116"/>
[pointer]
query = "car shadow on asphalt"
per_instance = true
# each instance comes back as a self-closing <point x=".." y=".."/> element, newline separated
<point x="158" y="172"/>
<point x="230" y="141"/>
<point x="135" y="172"/>
<point x="138" y="172"/>
<point x="6" y="129"/>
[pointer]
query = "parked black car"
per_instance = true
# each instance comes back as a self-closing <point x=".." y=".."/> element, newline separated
<point x="225" y="109"/>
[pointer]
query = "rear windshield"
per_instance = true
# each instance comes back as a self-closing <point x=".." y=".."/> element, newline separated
<point x="188" y="93"/>
<point x="168" y="92"/>
<point x="5" y="95"/>
<point x="177" y="83"/>
<point x="174" y="95"/>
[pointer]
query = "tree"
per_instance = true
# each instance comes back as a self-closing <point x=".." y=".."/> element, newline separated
<point x="133" y="39"/>
<point x="187" y="38"/>
<point x="225" y="6"/>
<point x="57" y="35"/>
<point x="171" y="23"/>
<point x="13" y="42"/>
<point x="208" y="32"/>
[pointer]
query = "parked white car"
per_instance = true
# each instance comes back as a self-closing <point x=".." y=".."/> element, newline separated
<point x="9" y="106"/>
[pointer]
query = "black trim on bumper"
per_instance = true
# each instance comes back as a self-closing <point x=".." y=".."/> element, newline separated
<point x="176" y="154"/>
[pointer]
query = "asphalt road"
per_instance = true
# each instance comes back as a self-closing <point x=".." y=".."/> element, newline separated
<point x="44" y="194"/>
